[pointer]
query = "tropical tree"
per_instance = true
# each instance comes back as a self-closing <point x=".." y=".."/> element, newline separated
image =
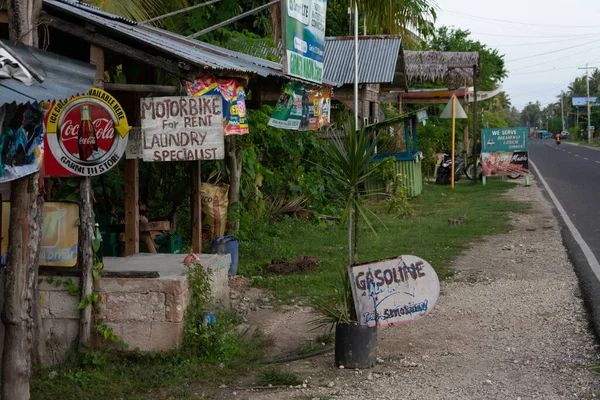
<point x="532" y="115"/>
<point x="409" y="18"/>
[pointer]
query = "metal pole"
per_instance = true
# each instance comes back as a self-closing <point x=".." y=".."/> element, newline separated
<point x="587" y="81"/>
<point x="454" y="136"/>
<point x="356" y="65"/>
<point x="475" y="116"/>
<point x="562" y="111"/>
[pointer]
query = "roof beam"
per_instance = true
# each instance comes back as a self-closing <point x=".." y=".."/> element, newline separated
<point x="114" y="45"/>
<point x="231" y="20"/>
<point x="208" y="3"/>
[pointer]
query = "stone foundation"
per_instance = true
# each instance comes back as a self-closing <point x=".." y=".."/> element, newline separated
<point x="146" y="313"/>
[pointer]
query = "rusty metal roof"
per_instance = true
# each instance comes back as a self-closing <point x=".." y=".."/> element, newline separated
<point x="63" y="77"/>
<point x="166" y="43"/>
<point x="381" y="60"/>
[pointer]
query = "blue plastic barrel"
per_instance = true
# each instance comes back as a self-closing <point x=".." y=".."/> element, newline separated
<point x="227" y="245"/>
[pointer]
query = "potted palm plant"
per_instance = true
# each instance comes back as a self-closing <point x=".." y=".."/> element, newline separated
<point x="350" y="166"/>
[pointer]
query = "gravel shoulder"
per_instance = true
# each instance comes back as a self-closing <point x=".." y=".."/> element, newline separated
<point x="510" y="325"/>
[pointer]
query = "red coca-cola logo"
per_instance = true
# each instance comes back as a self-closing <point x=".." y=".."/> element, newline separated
<point x="101" y="121"/>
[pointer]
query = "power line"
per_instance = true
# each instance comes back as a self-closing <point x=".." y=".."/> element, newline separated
<point x="537" y="91"/>
<point x="537" y="43"/>
<point x="522" y="23"/>
<point x="556" y="59"/>
<point x="535" y="36"/>
<point x="545" y="70"/>
<point x="552" y="52"/>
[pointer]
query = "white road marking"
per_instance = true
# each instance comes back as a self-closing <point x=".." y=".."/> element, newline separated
<point x="585" y="158"/>
<point x="577" y="155"/>
<point x="589" y="255"/>
<point x="597" y="162"/>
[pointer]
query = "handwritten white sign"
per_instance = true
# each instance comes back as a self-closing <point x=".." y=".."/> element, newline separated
<point x="394" y="291"/>
<point x="182" y="128"/>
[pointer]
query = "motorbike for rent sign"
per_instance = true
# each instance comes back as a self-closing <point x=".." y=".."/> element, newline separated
<point x="86" y="135"/>
<point x="305" y="38"/>
<point x="182" y="128"/>
<point x="505" y="151"/>
<point x="394" y="291"/>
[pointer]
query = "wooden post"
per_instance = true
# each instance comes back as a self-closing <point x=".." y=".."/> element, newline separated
<point x="475" y="72"/>
<point x="196" y="207"/>
<point x="132" y="210"/>
<point x="23" y="242"/>
<point x="453" y="137"/>
<point x="86" y="223"/>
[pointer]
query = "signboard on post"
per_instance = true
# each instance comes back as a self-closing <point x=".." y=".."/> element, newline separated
<point x="394" y="291"/>
<point x="86" y="135"/>
<point x="505" y="151"/>
<point x="581" y="101"/>
<point x="182" y="128"/>
<point x="305" y="38"/>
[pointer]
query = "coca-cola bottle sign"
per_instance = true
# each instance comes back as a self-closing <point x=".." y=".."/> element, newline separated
<point x="85" y="134"/>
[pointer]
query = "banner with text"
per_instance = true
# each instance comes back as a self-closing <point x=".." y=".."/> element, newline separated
<point x="394" y="291"/>
<point x="505" y="163"/>
<point x="60" y="234"/>
<point x="305" y="38"/>
<point x="182" y="128"/>
<point x="302" y="109"/>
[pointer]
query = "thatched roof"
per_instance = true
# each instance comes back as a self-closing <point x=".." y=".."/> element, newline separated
<point x="454" y="68"/>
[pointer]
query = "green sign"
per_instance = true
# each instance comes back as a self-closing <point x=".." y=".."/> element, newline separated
<point x="504" y="140"/>
<point x="305" y="38"/>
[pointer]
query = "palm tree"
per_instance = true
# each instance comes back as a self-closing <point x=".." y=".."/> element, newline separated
<point x="405" y="17"/>
<point x="139" y="10"/>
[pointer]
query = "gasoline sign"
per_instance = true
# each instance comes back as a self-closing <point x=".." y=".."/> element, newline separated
<point x="394" y="291"/>
<point x="87" y="135"/>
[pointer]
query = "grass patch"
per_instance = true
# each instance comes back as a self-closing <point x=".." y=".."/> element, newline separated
<point x="277" y="377"/>
<point x="426" y="235"/>
<point x="148" y="376"/>
<point x="327" y="338"/>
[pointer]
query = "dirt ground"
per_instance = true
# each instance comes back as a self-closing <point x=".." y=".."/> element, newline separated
<point x="510" y="325"/>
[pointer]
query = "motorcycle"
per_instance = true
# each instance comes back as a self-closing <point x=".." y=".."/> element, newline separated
<point x="444" y="172"/>
<point x="558" y="139"/>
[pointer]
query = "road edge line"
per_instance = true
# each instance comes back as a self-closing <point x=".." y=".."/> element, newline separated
<point x="587" y="252"/>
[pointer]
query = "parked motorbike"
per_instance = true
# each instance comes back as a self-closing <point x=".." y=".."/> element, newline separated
<point x="444" y="173"/>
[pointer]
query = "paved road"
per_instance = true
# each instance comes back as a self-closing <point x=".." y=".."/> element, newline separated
<point x="573" y="174"/>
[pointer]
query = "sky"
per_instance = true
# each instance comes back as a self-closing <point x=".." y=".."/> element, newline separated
<point x="544" y="42"/>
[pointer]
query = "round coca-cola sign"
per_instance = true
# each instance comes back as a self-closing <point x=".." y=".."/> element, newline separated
<point x="88" y="134"/>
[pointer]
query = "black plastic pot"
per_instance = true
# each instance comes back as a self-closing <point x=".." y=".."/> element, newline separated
<point x="355" y="345"/>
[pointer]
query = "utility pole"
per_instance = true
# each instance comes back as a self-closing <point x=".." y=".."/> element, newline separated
<point x="589" y="121"/>
<point x="562" y="111"/>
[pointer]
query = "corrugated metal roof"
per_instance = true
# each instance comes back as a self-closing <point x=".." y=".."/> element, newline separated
<point x="63" y="77"/>
<point x="168" y="43"/>
<point x="380" y="59"/>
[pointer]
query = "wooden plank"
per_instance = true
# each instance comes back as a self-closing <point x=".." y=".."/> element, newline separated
<point x="132" y="211"/>
<point x="114" y="46"/>
<point x="128" y="87"/>
<point x="196" y="207"/>
<point x="103" y="273"/>
<point x="155" y="226"/>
